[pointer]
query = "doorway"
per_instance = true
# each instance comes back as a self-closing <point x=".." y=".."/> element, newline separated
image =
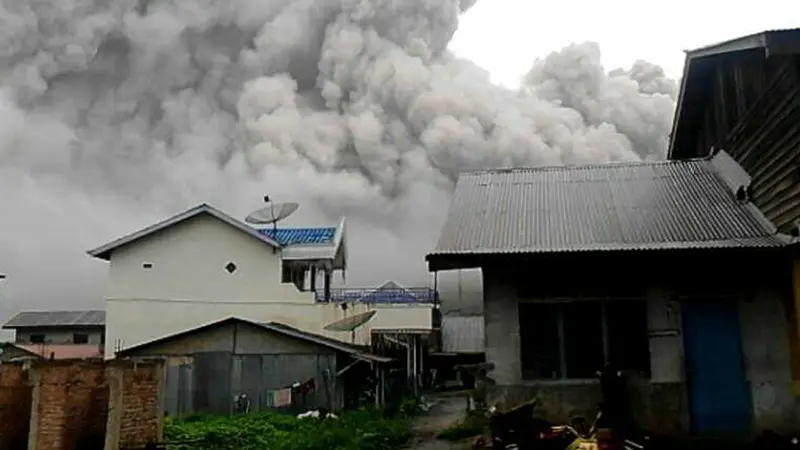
<point x="719" y="395"/>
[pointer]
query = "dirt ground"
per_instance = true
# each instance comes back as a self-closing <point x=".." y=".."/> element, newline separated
<point x="445" y="410"/>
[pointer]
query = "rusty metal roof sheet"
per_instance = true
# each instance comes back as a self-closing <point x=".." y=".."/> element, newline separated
<point x="625" y="206"/>
<point x="462" y="334"/>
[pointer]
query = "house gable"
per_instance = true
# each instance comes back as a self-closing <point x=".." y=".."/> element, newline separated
<point x="105" y="250"/>
<point x="721" y="85"/>
<point x="242" y="337"/>
<point x="200" y="259"/>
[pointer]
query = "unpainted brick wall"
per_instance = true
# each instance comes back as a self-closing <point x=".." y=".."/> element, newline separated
<point x="140" y="421"/>
<point x="72" y="404"/>
<point x="15" y="406"/>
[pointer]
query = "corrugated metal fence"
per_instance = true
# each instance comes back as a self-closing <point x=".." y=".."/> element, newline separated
<point x="211" y="382"/>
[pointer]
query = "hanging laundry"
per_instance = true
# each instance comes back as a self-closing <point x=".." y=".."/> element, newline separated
<point x="307" y="386"/>
<point x="283" y="397"/>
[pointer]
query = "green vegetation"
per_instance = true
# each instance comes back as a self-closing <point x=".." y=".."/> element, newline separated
<point x="474" y="424"/>
<point x="353" y="430"/>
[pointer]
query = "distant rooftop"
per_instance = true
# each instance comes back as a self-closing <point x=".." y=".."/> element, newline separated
<point x="37" y="319"/>
<point x="389" y="293"/>
<point x="295" y="236"/>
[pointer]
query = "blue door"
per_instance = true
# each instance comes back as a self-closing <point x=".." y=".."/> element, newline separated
<point x="719" y="395"/>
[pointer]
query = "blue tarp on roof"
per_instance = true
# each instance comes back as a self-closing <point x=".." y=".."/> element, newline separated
<point x="290" y="236"/>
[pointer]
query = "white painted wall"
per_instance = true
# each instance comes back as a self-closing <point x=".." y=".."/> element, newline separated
<point x="188" y="286"/>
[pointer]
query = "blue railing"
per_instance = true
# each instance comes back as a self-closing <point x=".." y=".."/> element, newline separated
<point x="383" y="296"/>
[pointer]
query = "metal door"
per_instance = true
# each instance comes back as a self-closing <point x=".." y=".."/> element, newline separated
<point x="719" y="395"/>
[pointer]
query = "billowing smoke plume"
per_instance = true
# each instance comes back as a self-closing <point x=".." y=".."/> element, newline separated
<point x="115" y="114"/>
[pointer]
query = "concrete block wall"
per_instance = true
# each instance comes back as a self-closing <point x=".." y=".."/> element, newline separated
<point x="15" y="406"/>
<point x="86" y="404"/>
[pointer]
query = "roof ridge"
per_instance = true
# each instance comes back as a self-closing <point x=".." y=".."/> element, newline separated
<point x="567" y="167"/>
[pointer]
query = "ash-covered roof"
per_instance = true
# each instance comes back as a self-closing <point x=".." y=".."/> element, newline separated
<point x="55" y="319"/>
<point x="626" y="206"/>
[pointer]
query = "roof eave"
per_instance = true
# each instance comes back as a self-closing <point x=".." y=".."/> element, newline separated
<point x="772" y="42"/>
<point x="104" y="251"/>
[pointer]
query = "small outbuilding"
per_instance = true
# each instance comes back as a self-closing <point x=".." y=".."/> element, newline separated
<point x="237" y="365"/>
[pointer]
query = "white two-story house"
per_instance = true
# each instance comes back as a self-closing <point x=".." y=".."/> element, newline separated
<point x="203" y="265"/>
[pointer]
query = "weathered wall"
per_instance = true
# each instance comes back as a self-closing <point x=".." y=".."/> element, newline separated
<point x="63" y="405"/>
<point x="15" y="406"/>
<point x="138" y="388"/>
<point x="69" y="407"/>
<point x="660" y="403"/>
<point x="767" y="360"/>
<point x="60" y="335"/>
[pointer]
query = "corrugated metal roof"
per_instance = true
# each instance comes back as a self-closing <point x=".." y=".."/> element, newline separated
<point x="462" y="334"/>
<point x="359" y="352"/>
<point x="57" y="319"/>
<point x="628" y="206"/>
<point x="292" y="236"/>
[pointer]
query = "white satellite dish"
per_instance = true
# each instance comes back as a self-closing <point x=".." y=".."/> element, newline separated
<point x="271" y="213"/>
<point x="351" y="323"/>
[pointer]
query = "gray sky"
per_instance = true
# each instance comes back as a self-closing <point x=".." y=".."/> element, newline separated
<point x="504" y="35"/>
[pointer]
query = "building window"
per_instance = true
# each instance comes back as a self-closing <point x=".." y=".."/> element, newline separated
<point x="80" y="338"/>
<point x="574" y="339"/>
<point x="286" y="273"/>
<point x="37" y="339"/>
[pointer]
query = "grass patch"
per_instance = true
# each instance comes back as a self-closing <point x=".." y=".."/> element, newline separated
<point x="470" y="426"/>
<point x="355" y="430"/>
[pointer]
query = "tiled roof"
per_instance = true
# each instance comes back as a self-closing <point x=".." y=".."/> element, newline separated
<point x="293" y="236"/>
<point x="96" y="318"/>
<point x="628" y="206"/>
<point x="462" y="334"/>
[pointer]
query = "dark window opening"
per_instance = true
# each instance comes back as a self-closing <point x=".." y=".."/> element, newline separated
<point x="583" y="338"/>
<point x="541" y="356"/>
<point x="230" y="267"/>
<point x="80" y="338"/>
<point x="574" y="339"/>
<point x="294" y="275"/>
<point x="286" y="274"/>
<point x="37" y="339"/>
<point x="147" y="265"/>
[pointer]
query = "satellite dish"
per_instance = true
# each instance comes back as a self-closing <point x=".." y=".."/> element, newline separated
<point x="352" y="322"/>
<point x="271" y="213"/>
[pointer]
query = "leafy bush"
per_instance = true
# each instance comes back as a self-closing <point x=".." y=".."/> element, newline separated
<point x="356" y="430"/>
<point x="473" y="425"/>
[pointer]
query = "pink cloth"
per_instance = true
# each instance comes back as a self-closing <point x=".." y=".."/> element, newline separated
<point x="283" y="397"/>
